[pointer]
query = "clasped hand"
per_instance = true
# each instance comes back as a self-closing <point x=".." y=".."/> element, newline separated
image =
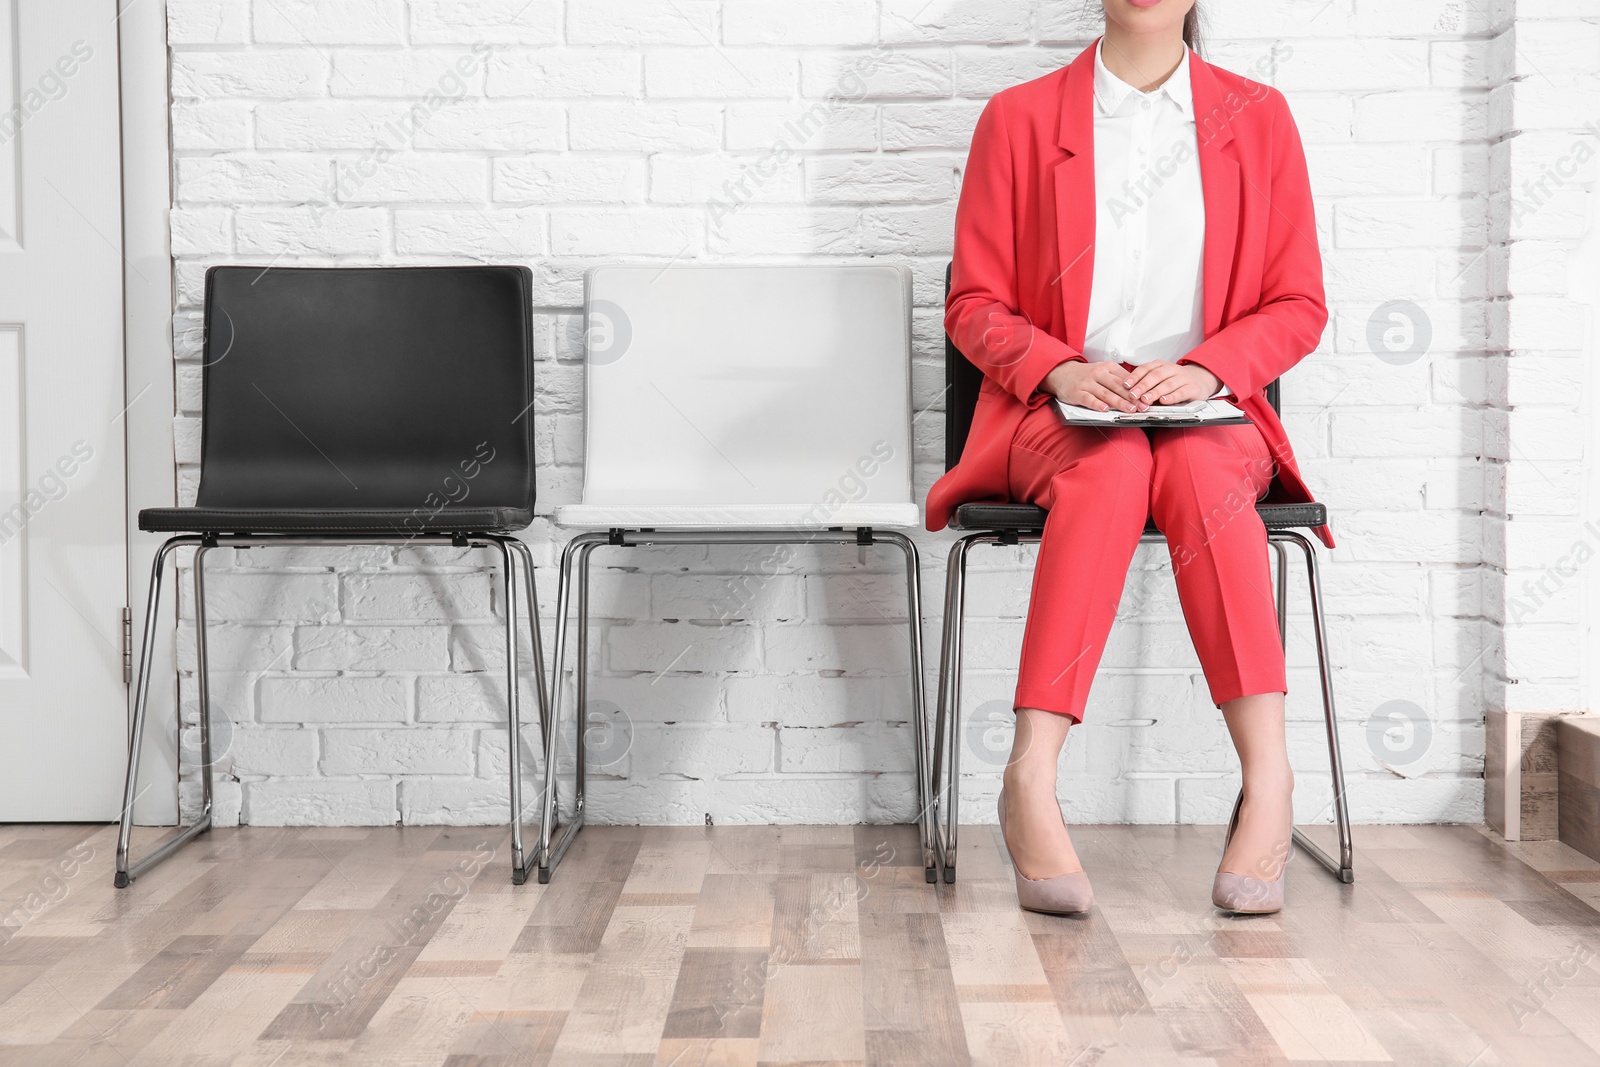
<point x="1106" y="385"/>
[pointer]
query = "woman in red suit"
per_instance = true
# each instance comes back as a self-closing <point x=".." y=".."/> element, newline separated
<point x="1136" y="229"/>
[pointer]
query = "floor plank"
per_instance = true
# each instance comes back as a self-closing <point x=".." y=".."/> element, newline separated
<point x="684" y="946"/>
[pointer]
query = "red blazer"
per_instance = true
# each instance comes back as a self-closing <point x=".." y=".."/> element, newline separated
<point x="1024" y="260"/>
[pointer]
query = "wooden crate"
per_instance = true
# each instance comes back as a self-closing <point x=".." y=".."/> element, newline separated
<point x="1520" y="780"/>
<point x="1579" y="743"/>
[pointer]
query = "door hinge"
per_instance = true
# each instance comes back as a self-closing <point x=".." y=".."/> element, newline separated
<point x="127" y="646"/>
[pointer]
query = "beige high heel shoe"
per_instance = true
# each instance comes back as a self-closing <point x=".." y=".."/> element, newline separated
<point x="1065" y="894"/>
<point x="1242" y="894"/>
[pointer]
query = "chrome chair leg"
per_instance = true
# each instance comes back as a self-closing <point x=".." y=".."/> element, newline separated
<point x="941" y="703"/>
<point x="551" y="849"/>
<point x="936" y="751"/>
<point x="513" y="549"/>
<point x="126" y="872"/>
<point x="919" y="712"/>
<point x="576" y="557"/>
<point x="581" y="685"/>
<point x="202" y="673"/>
<point x="1342" y="868"/>
<point x="949" y="712"/>
<point x="948" y="716"/>
<point x="509" y="587"/>
<point x="537" y="638"/>
<point x="548" y="801"/>
<point x="510" y="549"/>
<point x="1282" y="589"/>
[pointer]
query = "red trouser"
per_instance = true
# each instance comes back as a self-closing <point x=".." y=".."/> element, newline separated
<point x="1200" y="486"/>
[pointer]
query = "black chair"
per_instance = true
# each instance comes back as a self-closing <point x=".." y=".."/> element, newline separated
<point x="1014" y="524"/>
<point x="356" y="406"/>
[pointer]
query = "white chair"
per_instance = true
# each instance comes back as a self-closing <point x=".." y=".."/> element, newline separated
<point x="753" y="405"/>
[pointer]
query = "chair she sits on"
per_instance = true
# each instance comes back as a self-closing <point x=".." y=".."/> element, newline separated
<point x="1020" y="524"/>
<point x="750" y="405"/>
<point x="356" y="406"/>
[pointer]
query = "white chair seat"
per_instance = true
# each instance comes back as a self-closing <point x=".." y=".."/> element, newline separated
<point x="734" y="516"/>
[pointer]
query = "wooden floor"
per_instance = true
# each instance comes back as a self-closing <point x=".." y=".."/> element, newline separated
<point x="785" y="945"/>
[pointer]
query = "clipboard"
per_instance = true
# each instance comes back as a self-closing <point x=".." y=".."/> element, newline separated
<point x="1197" y="413"/>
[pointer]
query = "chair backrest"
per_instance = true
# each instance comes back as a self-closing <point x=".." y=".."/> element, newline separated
<point x="367" y="387"/>
<point x="962" y="381"/>
<point x="739" y="386"/>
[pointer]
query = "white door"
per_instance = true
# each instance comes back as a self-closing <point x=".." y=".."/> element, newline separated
<point x="63" y="551"/>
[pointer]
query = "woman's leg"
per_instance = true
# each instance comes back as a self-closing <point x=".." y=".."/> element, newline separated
<point x="1206" y="483"/>
<point x="1037" y="836"/>
<point x="1260" y="845"/>
<point x="1096" y="484"/>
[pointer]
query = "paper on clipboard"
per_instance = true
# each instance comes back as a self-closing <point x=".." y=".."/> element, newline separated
<point x="1194" y="413"/>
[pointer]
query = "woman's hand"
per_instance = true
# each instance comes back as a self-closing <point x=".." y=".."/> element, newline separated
<point x="1097" y="386"/>
<point x="1160" y="382"/>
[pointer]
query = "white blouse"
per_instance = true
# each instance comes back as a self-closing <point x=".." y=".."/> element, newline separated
<point x="1145" y="300"/>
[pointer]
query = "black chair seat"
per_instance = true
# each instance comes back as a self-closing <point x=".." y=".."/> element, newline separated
<point x="1011" y="517"/>
<point x="404" y="522"/>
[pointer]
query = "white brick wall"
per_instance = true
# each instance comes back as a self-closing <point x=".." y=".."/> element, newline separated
<point x="360" y="686"/>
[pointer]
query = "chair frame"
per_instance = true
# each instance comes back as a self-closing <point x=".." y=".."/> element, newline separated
<point x="947" y="721"/>
<point x="576" y="557"/>
<point x="510" y="549"/>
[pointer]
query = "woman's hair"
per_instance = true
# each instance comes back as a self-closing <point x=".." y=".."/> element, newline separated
<point x="1191" y="28"/>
